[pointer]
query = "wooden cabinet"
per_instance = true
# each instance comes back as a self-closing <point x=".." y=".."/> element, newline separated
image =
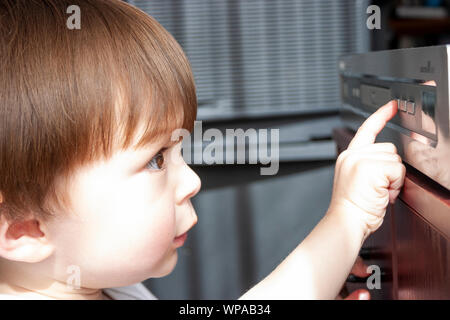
<point x="412" y="247"/>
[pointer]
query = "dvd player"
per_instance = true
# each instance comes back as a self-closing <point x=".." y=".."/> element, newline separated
<point x="418" y="79"/>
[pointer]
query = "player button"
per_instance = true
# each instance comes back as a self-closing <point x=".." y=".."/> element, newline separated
<point x="402" y="105"/>
<point x="411" y="107"/>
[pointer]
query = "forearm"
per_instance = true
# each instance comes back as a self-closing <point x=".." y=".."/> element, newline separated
<point x="318" y="267"/>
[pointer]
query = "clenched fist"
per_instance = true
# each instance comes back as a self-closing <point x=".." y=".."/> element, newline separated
<point x="368" y="175"/>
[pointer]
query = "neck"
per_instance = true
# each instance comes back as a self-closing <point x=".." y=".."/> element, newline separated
<point x="17" y="280"/>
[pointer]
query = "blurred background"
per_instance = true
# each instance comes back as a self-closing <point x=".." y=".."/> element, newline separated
<point x="271" y="64"/>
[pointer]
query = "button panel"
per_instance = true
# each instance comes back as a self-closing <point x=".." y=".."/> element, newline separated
<point x="416" y="103"/>
<point x="406" y="106"/>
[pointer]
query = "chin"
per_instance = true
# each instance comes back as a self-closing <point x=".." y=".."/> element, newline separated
<point x="167" y="266"/>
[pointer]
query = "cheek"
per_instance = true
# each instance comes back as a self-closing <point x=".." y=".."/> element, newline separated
<point x="144" y="222"/>
<point x="159" y="231"/>
<point x="124" y="230"/>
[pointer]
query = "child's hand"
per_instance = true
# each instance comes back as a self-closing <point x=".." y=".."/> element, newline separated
<point x="368" y="175"/>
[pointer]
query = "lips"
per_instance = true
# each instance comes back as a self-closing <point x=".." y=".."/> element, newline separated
<point x="179" y="241"/>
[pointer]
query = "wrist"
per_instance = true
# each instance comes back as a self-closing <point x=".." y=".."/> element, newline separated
<point x="352" y="217"/>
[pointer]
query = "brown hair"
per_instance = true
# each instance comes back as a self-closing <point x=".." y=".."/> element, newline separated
<point x="70" y="96"/>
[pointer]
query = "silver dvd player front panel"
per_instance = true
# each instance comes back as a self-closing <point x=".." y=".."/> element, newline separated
<point x="418" y="79"/>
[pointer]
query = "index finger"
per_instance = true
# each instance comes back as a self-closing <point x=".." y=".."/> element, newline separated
<point x="373" y="125"/>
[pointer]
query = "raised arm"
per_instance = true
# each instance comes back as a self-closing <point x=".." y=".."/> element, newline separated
<point x="368" y="176"/>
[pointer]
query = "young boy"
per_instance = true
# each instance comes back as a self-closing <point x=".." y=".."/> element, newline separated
<point x="95" y="193"/>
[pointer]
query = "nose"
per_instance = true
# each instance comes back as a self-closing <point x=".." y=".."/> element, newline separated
<point x="188" y="186"/>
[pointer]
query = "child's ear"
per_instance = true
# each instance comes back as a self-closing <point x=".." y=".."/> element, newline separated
<point x="23" y="240"/>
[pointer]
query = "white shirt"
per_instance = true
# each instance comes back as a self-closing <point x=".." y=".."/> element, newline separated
<point x="133" y="292"/>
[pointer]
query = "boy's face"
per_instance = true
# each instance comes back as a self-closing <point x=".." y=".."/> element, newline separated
<point x="127" y="211"/>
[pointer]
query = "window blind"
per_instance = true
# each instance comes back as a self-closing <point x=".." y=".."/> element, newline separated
<point x="264" y="57"/>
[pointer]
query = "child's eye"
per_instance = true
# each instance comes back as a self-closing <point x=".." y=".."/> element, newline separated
<point x="157" y="162"/>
